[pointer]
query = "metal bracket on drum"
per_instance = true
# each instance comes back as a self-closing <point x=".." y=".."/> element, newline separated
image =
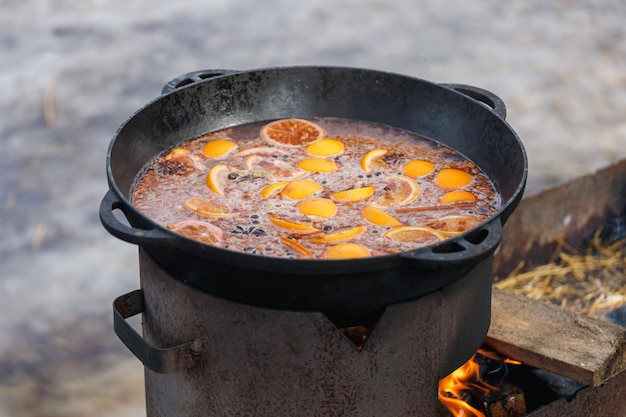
<point x="163" y="361"/>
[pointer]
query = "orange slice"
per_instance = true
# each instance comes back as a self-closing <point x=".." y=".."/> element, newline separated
<point x="274" y="168"/>
<point x="260" y="150"/>
<point x="292" y="133"/>
<point x="453" y="178"/>
<point x="219" y="148"/>
<point x="326" y="147"/>
<point x="457" y="196"/>
<point x="417" y="168"/>
<point x="399" y="191"/>
<point x="273" y="189"/>
<point x="217" y="177"/>
<point x="372" y="160"/>
<point x="317" y="165"/>
<point x="379" y="217"/>
<point x="339" y="235"/>
<point x="300" y="189"/>
<point x="301" y="228"/>
<point x="205" y="232"/>
<point x="346" y="251"/>
<point x="455" y="224"/>
<point x="187" y="158"/>
<point x="414" y="234"/>
<point x="208" y="207"/>
<point x="352" y="195"/>
<point x="320" y="207"/>
<point x="296" y="246"/>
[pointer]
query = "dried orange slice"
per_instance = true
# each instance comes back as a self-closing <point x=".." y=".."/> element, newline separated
<point x="217" y="177"/>
<point x="300" y="228"/>
<point x="372" y="160"/>
<point x="317" y="165"/>
<point x="326" y="147"/>
<point x="273" y="189"/>
<point x="414" y="234"/>
<point x="346" y="251"/>
<point x="300" y="189"/>
<point x="417" y="168"/>
<point x="339" y="235"/>
<point x="205" y="232"/>
<point x="379" y="217"/>
<point x="292" y="133"/>
<point x="319" y="207"/>
<point x="296" y="246"/>
<point x="352" y="195"/>
<point x="453" y="178"/>
<point x="457" y="196"/>
<point x="399" y="191"/>
<point x="455" y="224"/>
<point x="208" y="207"/>
<point x="273" y="168"/>
<point x="219" y="148"/>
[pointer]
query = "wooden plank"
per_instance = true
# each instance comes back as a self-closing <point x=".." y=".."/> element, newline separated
<point x="546" y="336"/>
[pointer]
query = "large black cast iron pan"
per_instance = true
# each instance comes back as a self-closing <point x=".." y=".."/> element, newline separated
<point x="467" y="119"/>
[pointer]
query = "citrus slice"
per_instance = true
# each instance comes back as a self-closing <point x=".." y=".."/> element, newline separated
<point x="339" y="235"/>
<point x="273" y="189"/>
<point x="457" y="196"/>
<point x="319" y="207"/>
<point x="417" y="168"/>
<point x="208" y="207"/>
<point x="274" y="168"/>
<point x="372" y="160"/>
<point x="352" y="195"/>
<point x="300" y="189"/>
<point x="399" y="191"/>
<point x="205" y="232"/>
<point x="217" y="177"/>
<point x="260" y="150"/>
<point x="296" y="246"/>
<point x="455" y="224"/>
<point x="346" y="251"/>
<point x="317" y="165"/>
<point x="414" y="234"/>
<point x="187" y="159"/>
<point x="326" y="147"/>
<point x="453" y="178"/>
<point x="292" y="133"/>
<point x="379" y="217"/>
<point x="219" y="148"/>
<point x="301" y="228"/>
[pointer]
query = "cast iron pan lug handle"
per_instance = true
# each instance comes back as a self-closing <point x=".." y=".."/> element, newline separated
<point x="162" y="361"/>
<point x="193" y="77"/>
<point x="122" y="231"/>
<point x="468" y="249"/>
<point x="495" y="103"/>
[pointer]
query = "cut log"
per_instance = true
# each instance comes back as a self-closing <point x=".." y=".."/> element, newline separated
<point x="548" y="337"/>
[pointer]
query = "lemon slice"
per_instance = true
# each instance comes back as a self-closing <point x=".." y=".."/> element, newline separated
<point x="292" y="133"/>
<point x="372" y="160"/>
<point x="219" y="148"/>
<point x="273" y="189"/>
<point x="208" y="207"/>
<point x="339" y="235"/>
<point x="379" y="217"/>
<point x="400" y="191"/>
<point x="319" y="207"/>
<point x="457" y="196"/>
<point x="346" y="251"/>
<point x="217" y="177"/>
<point x="300" y="189"/>
<point x="414" y="234"/>
<point x="326" y="147"/>
<point x="301" y="228"/>
<point x="352" y="195"/>
<point x="317" y="165"/>
<point x="417" y="168"/>
<point x="452" y="178"/>
<point x="296" y="246"/>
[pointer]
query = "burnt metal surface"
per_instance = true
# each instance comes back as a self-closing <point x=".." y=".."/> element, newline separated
<point x="258" y="361"/>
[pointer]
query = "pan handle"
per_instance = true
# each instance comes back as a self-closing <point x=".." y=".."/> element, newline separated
<point x="113" y="225"/>
<point x="193" y="77"/>
<point x="163" y="361"/>
<point x="467" y="249"/>
<point x="495" y="103"/>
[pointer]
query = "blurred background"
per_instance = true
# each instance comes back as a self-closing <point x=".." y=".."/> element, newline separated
<point x="72" y="71"/>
